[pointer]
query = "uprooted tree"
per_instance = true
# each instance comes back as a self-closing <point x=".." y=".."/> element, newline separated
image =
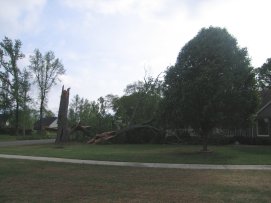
<point x="62" y="131"/>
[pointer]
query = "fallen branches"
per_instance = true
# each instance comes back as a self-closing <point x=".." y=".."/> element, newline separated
<point x="135" y="134"/>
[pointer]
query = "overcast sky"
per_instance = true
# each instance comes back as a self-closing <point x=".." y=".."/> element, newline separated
<point x="106" y="44"/>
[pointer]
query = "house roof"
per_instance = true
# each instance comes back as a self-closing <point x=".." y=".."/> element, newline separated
<point x="45" y="122"/>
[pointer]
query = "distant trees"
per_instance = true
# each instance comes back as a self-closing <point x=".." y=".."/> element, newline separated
<point x="91" y="113"/>
<point x="136" y="109"/>
<point x="46" y="70"/>
<point x="15" y="83"/>
<point x="211" y="84"/>
<point x="84" y="111"/>
<point x="140" y="103"/>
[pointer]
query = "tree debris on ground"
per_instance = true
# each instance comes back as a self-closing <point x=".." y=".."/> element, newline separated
<point x="135" y="134"/>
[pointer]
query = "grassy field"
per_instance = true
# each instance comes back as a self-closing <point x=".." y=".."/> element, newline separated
<point x="7" y="138"/>
<point x="4" y="138"/>
<point x="150" y="153"/>
<point x="34" y="181"/>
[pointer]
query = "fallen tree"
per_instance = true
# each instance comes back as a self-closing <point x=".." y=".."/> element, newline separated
<point x="81" y="128"/>
<point x="135" y="134"/>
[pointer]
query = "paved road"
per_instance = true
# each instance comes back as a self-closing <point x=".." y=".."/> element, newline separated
<point x="26" y="142"/>
<point x="146" y="165"/>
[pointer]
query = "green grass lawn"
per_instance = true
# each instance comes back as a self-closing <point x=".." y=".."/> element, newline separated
<point x="34" y="181"/>
<point x="150" y="153"/>
<point x="7" y="138"/>
<point x="4" y="138"/>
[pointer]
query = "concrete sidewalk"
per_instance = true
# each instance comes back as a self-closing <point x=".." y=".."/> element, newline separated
<point x="146" y="165"/>
<point x="26" y="142"/>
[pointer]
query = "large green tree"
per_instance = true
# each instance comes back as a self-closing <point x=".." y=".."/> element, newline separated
<point x="46" y="70"/>
<point x="10" y="54"/>
<point x="211" y="85"/>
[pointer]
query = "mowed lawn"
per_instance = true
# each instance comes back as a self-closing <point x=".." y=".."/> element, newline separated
<point x="4" y="138"/>
<point x="34" y="181"/>
<point x="230" y="154"/>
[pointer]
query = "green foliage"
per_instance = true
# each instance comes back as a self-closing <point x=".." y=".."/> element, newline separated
<point x="10" y="54"/>
<point x="264" y="74"/>
<point x="15" y="83"/>
<point x="90" y="113"/>
<point x="46" y="70"/>
<point x="211" y="84"/>
<point x="27" y="118"/>
<point x="140" y="103"/>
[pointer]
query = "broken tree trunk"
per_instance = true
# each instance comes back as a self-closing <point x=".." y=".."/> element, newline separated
<point x="62" y="130"/>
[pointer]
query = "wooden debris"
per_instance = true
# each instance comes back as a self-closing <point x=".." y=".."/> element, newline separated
<point x="102" y="138"/>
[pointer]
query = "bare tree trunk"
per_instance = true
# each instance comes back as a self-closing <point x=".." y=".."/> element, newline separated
<point x="24" y="112"/>
<point x="17" y="119"/>
<point x="62" y="131"/>
<point x="41" y="115"/>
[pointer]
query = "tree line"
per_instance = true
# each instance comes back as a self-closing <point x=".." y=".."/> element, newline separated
<point x="212" y="85"/>
<point x="16" y="81"/>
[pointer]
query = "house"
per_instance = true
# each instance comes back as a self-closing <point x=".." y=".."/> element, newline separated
<point x="48" y="123"/>
<point x="263" y="115"/>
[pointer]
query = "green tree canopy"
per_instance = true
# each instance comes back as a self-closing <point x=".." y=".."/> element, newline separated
<point x="211" y="84"/>
<point x="264" y="74"/>
<point x="10" y="54"/>
<point x="140" y="103"/>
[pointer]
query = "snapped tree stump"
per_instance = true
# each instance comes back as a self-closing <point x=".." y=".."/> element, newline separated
<point x="62" y="130"/>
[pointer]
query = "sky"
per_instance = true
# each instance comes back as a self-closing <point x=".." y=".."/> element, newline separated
<point x="106" y="44"/>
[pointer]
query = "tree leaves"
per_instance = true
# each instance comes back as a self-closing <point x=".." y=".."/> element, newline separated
<point x="211" y="83"/>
